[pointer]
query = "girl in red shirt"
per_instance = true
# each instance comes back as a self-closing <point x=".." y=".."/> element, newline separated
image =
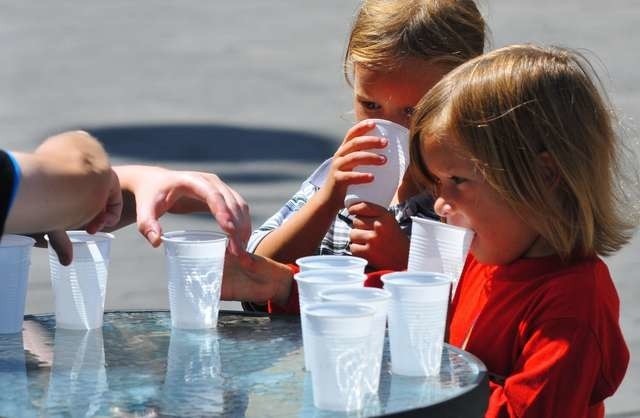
<point x="518" y="145"/>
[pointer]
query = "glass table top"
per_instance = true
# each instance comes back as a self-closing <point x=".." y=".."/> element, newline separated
<point x="137" y="366"/>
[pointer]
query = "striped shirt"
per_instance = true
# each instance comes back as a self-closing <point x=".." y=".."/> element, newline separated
<point x="336" y="240"/>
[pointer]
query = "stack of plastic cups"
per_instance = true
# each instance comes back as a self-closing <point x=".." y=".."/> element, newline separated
<point x="438" y="247"/>
<point x="80" y="288"/>
<point x="379" y="300"/>
<point x="195" y="263"/>
<point x="15" y="259"/>
<point x="312" y="282"/>
<point x="338" y="337"/>
<point x="417" y="321"/>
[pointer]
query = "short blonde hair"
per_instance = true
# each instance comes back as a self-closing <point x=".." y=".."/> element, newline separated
<point x="506" y="109"/>
<point x="385" y="32"/>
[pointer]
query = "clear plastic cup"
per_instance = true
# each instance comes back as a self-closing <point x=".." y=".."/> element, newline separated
<point x="15" y="260"/>
<point x="438" y="247"/>
<point x="388" y="176"/>
<point x="332" y="262"/>
<point x="79" y="289"/>
<point x="417" y="321"/>
<point x="338" y="339"/>
<point x="312" y="282"/>
<point x="195" y="262"/>
<point x="379" y="300"/>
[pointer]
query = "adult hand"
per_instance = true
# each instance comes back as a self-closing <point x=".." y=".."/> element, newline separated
<point x="252" y="278"/>
<point x="355" y="150"/>
<point x="377" y="237"/>
<point x="158" y="190"/>
<point x="110" y="215"/>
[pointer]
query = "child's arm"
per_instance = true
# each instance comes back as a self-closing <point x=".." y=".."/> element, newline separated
<point x="377" y="237"/>
<point x="558" y="374"/>
<point x="302" y="233"/>
<point x="253" y="278"/>
<point x="67" y="182"/>
<point x="150" y="192"/>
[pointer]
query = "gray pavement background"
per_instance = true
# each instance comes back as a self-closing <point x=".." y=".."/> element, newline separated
<point x="251" y="90"/>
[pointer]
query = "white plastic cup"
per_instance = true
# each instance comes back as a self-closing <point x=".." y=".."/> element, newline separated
<point x="312" y="282"/>
<point x="387" y="177"/>
<point x="338" y="339"/>
<point x="79" y="289"/>
<point x="438" y="247"/>
<point x="15" y="260"/>
<point x="195" y="262"/>
<point x="332" y="262"/>
<point x="78" y="377"/>
<point x="193" y="384"/>
<point x="417" y="321"/>
<point x="379" y="300"/>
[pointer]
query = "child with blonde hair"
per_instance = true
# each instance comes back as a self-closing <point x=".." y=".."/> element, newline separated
<point x="396" y="52"/>
<point x="519" y="146"/>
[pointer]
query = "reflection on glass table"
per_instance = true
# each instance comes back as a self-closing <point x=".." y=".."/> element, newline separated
<point x="250" y="366"/>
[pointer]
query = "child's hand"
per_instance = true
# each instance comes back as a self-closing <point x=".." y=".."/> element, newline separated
<point x="350" y="154"/>
<point x="377" y="237"/>
<point x="251" y="278"/>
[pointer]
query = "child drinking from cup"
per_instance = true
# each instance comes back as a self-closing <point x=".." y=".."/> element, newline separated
<point x="396" y="52"/>
<point x="519" y="146"/>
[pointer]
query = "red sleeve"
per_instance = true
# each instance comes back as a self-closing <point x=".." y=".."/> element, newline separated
<point x="292" y="307"/>
<point x="373" y="278"/>
<point x="554" y="376"/>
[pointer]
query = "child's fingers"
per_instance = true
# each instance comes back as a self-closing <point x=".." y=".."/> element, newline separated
<point x="358" y="129"/>
<point x="362" y="143"/>
<point x="353" y="177"/>
<point x="354" y="159"/>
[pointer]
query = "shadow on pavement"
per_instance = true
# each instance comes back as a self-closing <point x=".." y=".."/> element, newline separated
<point x="213" y="143"/>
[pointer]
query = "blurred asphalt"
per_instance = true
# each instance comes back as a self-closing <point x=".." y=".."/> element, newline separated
<point x="253" y="91"/>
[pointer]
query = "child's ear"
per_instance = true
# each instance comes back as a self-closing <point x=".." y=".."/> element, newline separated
<point x="548" y="168"/>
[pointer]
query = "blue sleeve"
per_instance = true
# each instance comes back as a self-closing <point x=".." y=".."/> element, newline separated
<point x="10" y="181"/>
<point x="17" y="177"/>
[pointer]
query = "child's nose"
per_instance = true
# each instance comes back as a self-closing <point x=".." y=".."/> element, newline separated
<point x="442" y="208"/>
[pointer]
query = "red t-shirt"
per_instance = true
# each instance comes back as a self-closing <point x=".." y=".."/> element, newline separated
<point x="550" y="330"/>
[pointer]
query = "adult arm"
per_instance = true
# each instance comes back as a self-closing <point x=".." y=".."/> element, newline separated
<point x="66" y="183"/>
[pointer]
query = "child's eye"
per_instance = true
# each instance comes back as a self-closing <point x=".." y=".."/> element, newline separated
<point x="370" y="105"/>
<point x="457" y="180"/>
<point x="408" y="111"/>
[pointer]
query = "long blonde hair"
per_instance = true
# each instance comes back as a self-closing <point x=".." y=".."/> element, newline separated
<point x="386" y="32"/>
<point x="519" y="105"/>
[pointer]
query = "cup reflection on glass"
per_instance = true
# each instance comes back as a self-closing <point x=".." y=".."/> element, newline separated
<point x="417" y="320"/>
<point x="195" y="262"/>
<point x="193" y="385"/>
<point x="311" y="283"/>
<point x="338" y="337"/>
<point x="80" y="288"/>
<point x="14" y="395"/>
<point x="78" y="379"/>
<point x="15" y="260"/>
